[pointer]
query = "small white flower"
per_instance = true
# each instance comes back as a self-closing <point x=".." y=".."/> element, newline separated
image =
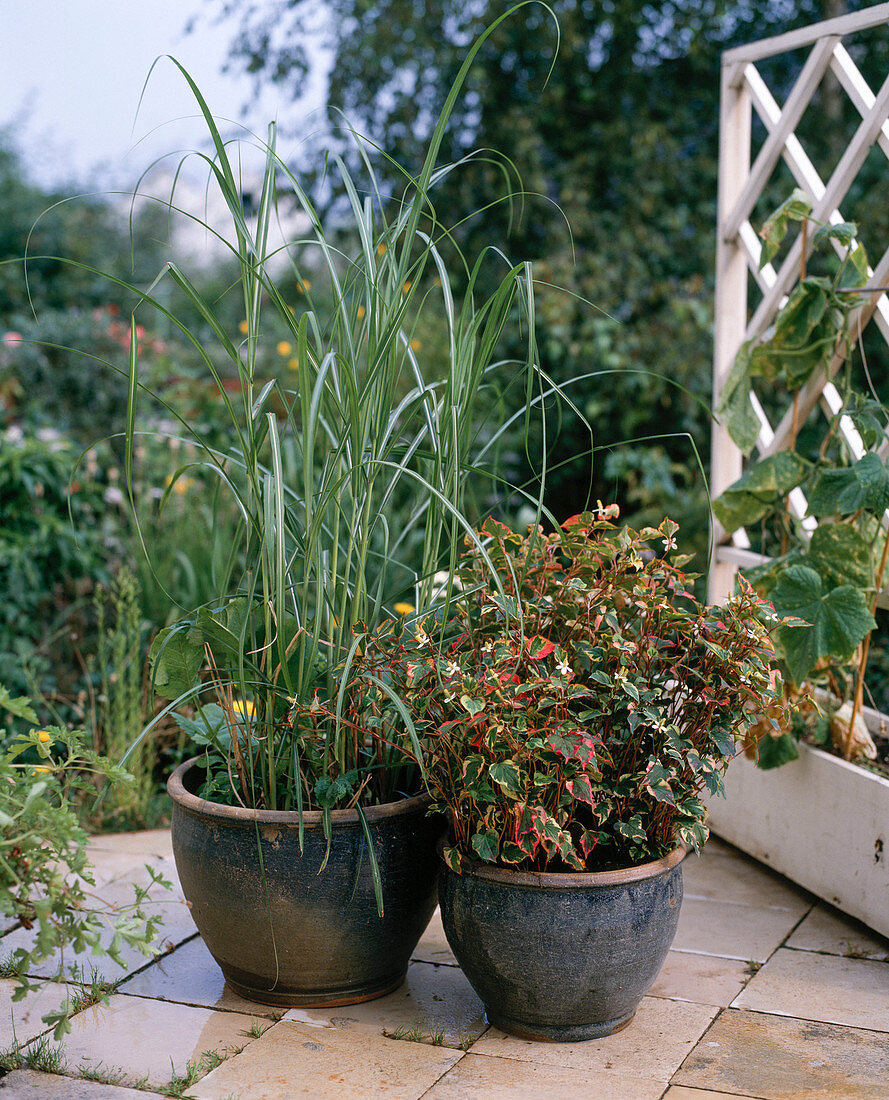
<point x="452" y="668"/>
<point x="669" y="543"/>
<point x="563" y="668"/>
<point x="441" y="581"/>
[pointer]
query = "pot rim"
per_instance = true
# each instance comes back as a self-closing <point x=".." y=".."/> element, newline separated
<point x="568" y="880"/>
<point x="311" y="819"/>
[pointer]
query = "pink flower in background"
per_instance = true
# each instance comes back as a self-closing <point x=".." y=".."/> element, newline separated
<point x="12" y="339"/>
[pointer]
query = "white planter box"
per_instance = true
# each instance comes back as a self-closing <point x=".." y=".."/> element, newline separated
<point x="818" y="820"/>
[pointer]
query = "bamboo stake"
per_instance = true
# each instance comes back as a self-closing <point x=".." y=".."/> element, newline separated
<point x="862" y="661"/>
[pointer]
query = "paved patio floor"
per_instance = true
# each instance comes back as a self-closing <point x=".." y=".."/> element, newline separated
<point x="767" y="993"/>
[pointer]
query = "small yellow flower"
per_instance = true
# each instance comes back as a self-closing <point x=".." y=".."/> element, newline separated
<point x="361" y="312"/>
<point x="183" y="484"/>
<point x="305" y="286"/>
<point x="284" y="349"/>
<point x="403" y="608"/>
<point x="381" y="249"/>
<point x="44" y="736"/>
<point x="244" y="328"/>
<point x="293" y="364"/>
<point x="405" y="288"/>
<point x="243" y="706"/>
<point x="415" y="344"/>
<point x="40" y="770"/>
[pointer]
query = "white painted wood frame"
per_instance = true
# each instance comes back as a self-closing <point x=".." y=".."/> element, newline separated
<point x="743" y="92"/>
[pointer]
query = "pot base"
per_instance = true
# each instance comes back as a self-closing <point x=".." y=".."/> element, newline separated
<point x="545" y="1033"/>
<point x="315" y="999"/>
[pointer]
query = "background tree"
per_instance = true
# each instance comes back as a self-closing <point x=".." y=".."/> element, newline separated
<point x="622" y="139"/>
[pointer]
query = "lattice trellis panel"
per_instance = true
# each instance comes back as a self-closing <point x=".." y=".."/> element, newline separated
<point x="741" y="183"/>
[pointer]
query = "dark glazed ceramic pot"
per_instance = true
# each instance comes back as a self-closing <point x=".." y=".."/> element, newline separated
<point x="561" y="957"/>
<point x="285" y="934"/>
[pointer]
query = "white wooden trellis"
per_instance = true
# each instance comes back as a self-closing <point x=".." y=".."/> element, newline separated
<point x="741" y="183"/>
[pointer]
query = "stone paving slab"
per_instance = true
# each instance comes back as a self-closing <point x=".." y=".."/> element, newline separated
<point x="190" y="975"/>
<point x="828" y="988"/>
<point x="737" y="878"/>
<point x="475" y="1077"/>
<point x="156" y="843"/>
<point x="151" y="1039"/>
<point x="779" y="1058"/>
<point x="27" y="1084"/>
<point x="653" y="1046"/>
<point x="111" y="868"/>
<point x="732" y="931"/>
<point x="702" y="979"/>
<point x="292" y="1060"/>
<point x="436" y="1004"/>
<point x="828" y="930"/>
<point x="21" y="1020"/>
<point x="177" y="927"/>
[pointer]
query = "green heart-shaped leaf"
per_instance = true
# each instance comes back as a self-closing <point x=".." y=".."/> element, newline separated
<point x="838" y="619"/>
<point x="865" y="484"/>
<point x="841" y="556"/>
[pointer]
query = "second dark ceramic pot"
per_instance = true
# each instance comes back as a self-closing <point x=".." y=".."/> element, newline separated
<point x="561" y="957"/>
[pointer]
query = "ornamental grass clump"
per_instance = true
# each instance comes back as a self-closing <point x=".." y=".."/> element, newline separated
<point x="354" y="476"/>
<point x="573" y="714"/>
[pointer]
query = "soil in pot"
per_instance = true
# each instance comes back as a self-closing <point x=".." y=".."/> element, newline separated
<point x="561" y="957"/>
<point x="283" y="931"/>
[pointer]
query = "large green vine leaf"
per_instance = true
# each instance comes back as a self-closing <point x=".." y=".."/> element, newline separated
<point x="759" y="489"/>
<point x="176" y="662"/>
<point x="843" y="232"/>
<point x="735" y="406"/>
<point x="838" y="619"/>
<point x="804" y="333"/>
<point x="841" y="555"/>
<point x="864" y="484"/>
<point x="795" y="207"/>
<point x="775" y="751"/>
<point x="221" y="628"/>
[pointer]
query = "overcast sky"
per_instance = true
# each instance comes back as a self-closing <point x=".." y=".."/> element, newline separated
<point x="72" y="72"/>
